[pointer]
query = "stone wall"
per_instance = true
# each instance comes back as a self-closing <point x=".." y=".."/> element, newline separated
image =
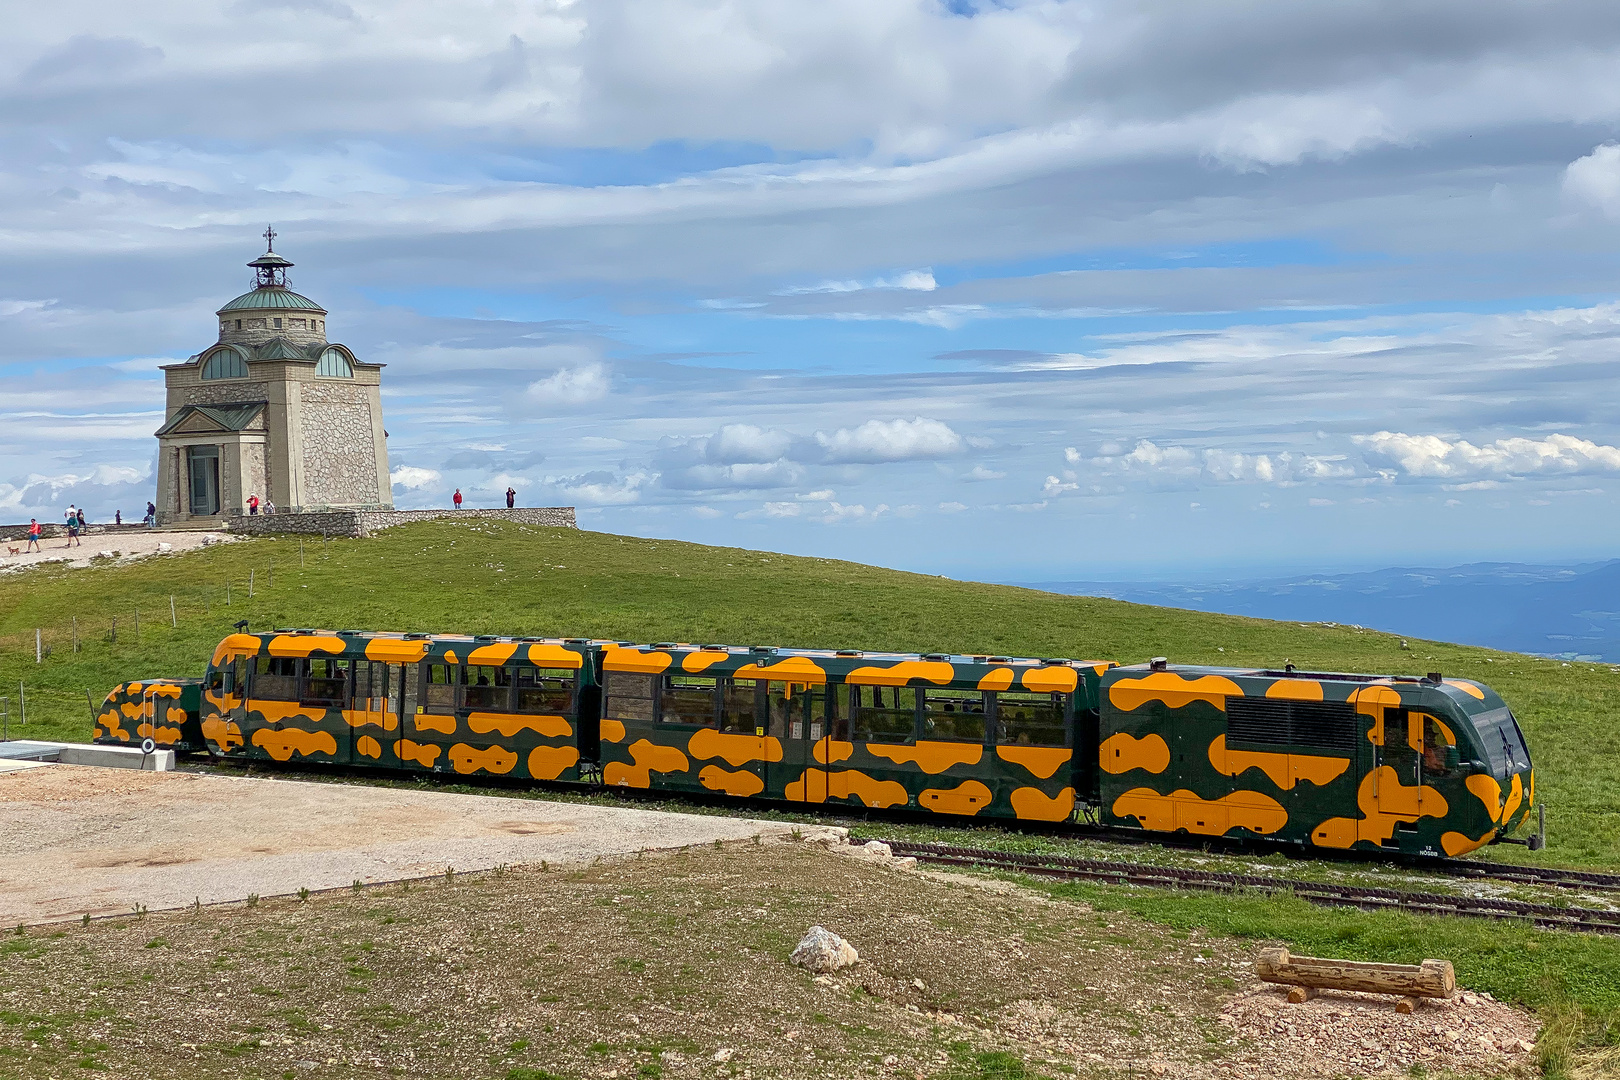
<point x="224" y="392"/>
<point x="340" y="461"/>
<point x="361" y="523"/>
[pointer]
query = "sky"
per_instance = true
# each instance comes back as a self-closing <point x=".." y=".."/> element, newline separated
<point x="1008" y="291"/>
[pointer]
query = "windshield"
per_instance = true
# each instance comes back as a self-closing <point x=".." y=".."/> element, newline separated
<point x="1503" y="741"/>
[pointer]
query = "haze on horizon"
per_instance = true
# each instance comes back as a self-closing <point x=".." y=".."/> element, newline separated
<point x="1015" y="291"/>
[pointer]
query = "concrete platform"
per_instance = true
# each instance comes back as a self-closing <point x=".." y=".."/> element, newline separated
<point x="77" y="840"/>
<point x="108" y="757"/>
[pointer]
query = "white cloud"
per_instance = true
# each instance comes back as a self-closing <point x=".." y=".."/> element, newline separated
<point x="911" y="281"/>
<point x="735" y="443"/>
<point x="774" y="510"/>
<point x="890" y="440"/>
<point x="979" y="472"/>
<point x="605" y="489"/>
<point x="410" y="477"/>
<point x="571" y="386"/>
<point x="1220" y="466"/>
<point x="1595" y="179"/>
<point x="838" y="513"/>
<point x="1431" y="456"/>
<point x="952" y="507"/>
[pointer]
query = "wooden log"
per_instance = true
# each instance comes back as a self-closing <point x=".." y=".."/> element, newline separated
<point x="1299" y="995"/>
<point x="1432" y="978"/>
<point x="1406" y="1005"/>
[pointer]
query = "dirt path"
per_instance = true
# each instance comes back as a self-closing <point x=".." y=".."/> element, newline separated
<point x="76" y="840"/>
<point x="122" y="546"/>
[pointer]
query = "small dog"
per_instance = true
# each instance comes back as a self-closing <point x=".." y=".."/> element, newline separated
<point x="14" y="550"/>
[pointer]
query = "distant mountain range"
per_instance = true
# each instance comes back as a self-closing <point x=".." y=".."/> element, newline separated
<point x="1572" y="612"/>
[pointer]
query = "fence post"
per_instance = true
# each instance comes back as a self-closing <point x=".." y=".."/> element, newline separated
<point x="5" y="720"/>
<point x="300" y="553"/>
<point x="173" y="621"/>
<point x="137" y="624"/>
<point x="90" y="701"/>
<point x="115" y="630"/>
<point x="22" y="705"/>
<point x="270" y="575"/>
<point x="227" y="594"/>
<point x="76" y="636"/>
<point x="250" y="584"/>
<point x="37" y="643"/>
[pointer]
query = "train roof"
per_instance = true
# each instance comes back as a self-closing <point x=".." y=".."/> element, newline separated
<point x="1468" y="694"/>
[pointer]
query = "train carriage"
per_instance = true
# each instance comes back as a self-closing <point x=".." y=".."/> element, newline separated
<point x="1414" y="765"/>
<point x="963" y="735"/>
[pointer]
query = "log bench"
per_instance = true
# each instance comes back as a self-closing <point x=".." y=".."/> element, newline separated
<point x="1309" y="974"/>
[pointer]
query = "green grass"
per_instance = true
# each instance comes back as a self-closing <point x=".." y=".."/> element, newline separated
<point x="496" y="577"/>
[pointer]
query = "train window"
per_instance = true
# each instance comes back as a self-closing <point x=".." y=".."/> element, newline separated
<point x="440" y="692"/>
<point x="956" y="715"/>
<point x="486" y="689"/>
<point x="275" y="678"/>
<point x="326" y="684"/>
<point x="548" y="691"/>
<point x="687" y="699"/>
<point x="883" y="714"/>
<point x="1434" y="749"/>
<point x="1324" y="725"/>
<point x="739" y="706"/>
<point x="1030" y="719"/>
<point x="370" y="686"/>
<point x="628" y="696"/>
<point x="789" y="705"/>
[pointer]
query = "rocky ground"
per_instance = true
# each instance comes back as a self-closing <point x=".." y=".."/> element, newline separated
<point x="677" y="966"/>
<point x="110" y="548"/>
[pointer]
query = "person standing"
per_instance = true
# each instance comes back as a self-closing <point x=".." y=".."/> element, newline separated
<point x="151" y="515"/>
<point x="33" y="536"/>
<point x="253" y="505"/>
<point x="83" y="526"/>
<point x="511" y="498"/>
<point x="118" y="517"/>
<point x="456" y="498"/>
<point x="73" y="529"/>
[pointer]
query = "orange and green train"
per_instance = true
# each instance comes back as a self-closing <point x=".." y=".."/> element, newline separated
<point x="1400" y="764"/>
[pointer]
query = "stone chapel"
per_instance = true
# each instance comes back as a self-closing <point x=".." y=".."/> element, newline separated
<point x="271" y="409"/>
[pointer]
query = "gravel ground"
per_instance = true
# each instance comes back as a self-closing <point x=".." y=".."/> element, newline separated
<point x="675" y="966"/>
<point x="77" y="839"/>
<point x="124" y="546"/>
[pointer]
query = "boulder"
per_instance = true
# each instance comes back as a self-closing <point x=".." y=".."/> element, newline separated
<point x="878" y="848"/>
<point x="822" y="951"/>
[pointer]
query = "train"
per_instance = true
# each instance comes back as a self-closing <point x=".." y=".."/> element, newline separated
<point x="1402" y="765"/>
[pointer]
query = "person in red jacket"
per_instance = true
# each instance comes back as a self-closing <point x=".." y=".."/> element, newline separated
<point x="457" y="498"/>
<point x="33" y="535"/>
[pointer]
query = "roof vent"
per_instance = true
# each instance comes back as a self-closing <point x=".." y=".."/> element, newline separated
<point x="935" y="656"/>
<point x="847" y="652"/>
<point x="570" y="640"/>
<point x="717" y="648"/>
<point x="1435" y="677"/>
<point x="1158" y="663"/>
<point x="663" y="644"/>
<point x="1051" y="660"/>
<point x="762" y="650"/>
<point x="416" y="637"/>
<point x="1000" y="659"/>
<point x="1289" y="668"/>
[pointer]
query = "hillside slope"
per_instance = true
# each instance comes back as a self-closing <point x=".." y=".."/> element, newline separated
<point x="492" y="577"/>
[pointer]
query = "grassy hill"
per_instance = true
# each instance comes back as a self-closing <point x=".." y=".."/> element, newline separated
<point x="496" y="577"/>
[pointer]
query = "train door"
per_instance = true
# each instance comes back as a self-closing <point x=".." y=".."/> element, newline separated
<point x="804" y="760"/>
<point x="740" y="753"/>
<point x="1398" y="779"/>
<point x="374" y="719"/>
<point x="272" y="696"/>
<point x="788" y="710"/>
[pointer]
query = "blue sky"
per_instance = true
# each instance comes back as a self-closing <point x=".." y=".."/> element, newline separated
<point x="1010" y="291"/>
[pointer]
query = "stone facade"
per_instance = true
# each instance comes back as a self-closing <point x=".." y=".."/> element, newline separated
<point x="364" y="523"/>
<point x="272" y="409"/>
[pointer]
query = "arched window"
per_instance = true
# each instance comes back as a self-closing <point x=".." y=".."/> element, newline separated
<point x="225" y="364"/>
<point x="335" y="365"/>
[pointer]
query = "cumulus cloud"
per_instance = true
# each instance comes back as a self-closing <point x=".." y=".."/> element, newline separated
<point x="569" y="387"/>
<point x="891" y="440"/>
<point x="1595" y="179"/>
<point x="602" y="488"/>
<point x="410" y="477"/>
<point x="1431" y="456"/>
<point x="1219" y="465"/>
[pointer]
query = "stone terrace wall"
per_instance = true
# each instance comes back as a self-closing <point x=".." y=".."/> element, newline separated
<point x="361" y="523"/>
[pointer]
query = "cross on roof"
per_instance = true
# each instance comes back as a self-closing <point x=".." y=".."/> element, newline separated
<point x="269" y="238"/>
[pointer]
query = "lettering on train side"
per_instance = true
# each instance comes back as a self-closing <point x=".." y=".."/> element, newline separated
<point x="1295" y="690"/>
<point x="1384" y="802"/>
<point x="1055" y="679"/>
<point x="424" y="754"/>
<point x="742" y="783"/>
<point x="1182" y="809"/>
<point x="282" y="743"/>
<point x="306" y="644"/>
<point x="1169" y="688"/>
<point x="1000" y="678"/>
<point x="1042" y="761"/>
<point x="734" y="749"/>
<point x="648" y="758"/>
<point x="471" y="759"/>
<point x="831" y="751"/>
<point x="1121" y="752"/>
<point x="612" y="730"/>
<point x="369" y="747"/>
<point x="930" y="757"/>
<point x="878" y="794"/>
<point x="966" y="799"/>
<point x="395" y="651"/>
<point x="443" y="723"/>
<point x="901" y="673"/>
<point x="509" y="724"/>
<point x="550" y="762"/>
<point x="1033" y="804"/>
<point x="1284" y="769"/>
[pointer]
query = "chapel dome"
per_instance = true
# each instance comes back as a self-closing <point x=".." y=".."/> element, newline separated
<point x="268" y="297"/>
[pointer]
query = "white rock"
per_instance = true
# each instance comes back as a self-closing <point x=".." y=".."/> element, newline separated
<point x="878" y="848"/>
<point x="724" y="1053"/>
<point x="891" y="1061"/>
<point x="107" y="554"/>
<point x="165" y="547"/>
<point x="906" y="863"/>
<point x="822" y="951"/>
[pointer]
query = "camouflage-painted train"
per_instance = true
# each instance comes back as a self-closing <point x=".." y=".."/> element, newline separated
<point x="1398" y="764"/>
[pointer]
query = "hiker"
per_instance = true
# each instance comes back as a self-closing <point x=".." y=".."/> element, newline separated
<point x="33" y="536"/>
<point x="511" y="498"/>
<point x="269" y="508"/>
<point x="457" y="498"/>
<point x="253" y="505"/>
<point x="83" y="526"/>
<point x="118" y="517"/>
<point x="73" y="529"/>
<point x="151" y="515"/>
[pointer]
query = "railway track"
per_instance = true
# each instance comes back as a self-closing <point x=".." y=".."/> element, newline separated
<point x="1366" y="898"/>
